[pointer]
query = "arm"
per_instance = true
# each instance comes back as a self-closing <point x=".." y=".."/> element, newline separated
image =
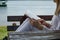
<point x="47" y="24"/>
<point x="36" y="24"/>
<point x="40" y="24"/>
<point x="43" y="22"/>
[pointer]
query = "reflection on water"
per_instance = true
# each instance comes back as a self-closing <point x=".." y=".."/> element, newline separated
<point x="39" y="7"/>
<point x="19" y="7"/>
<point x="3" y="10"/>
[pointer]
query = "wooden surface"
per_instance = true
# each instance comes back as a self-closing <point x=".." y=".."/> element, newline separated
<point x="21" y="19"/>
<point x="18" y="18"/>
<point x="38" y="35"/>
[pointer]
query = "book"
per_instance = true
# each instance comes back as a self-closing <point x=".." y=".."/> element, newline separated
<point x="31" y="15"/>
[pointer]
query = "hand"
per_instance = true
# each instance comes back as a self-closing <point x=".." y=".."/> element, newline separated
<point x="43" y="22"/>
<point x="36" y="23"/>
<point x="39" y="23"/>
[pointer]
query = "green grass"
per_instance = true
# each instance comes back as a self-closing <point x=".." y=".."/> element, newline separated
<point x="3" y="31"/>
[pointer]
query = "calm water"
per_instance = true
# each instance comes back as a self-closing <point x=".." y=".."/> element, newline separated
<point x="19" y="7"/>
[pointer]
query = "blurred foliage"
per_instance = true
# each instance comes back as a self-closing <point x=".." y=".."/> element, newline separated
<point x="3" y="31"/>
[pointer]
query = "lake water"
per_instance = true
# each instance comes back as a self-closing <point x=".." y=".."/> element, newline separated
<point x="19" y="7"/>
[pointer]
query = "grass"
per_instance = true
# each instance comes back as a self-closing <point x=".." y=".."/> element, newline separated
<point x="3" y="31"/>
